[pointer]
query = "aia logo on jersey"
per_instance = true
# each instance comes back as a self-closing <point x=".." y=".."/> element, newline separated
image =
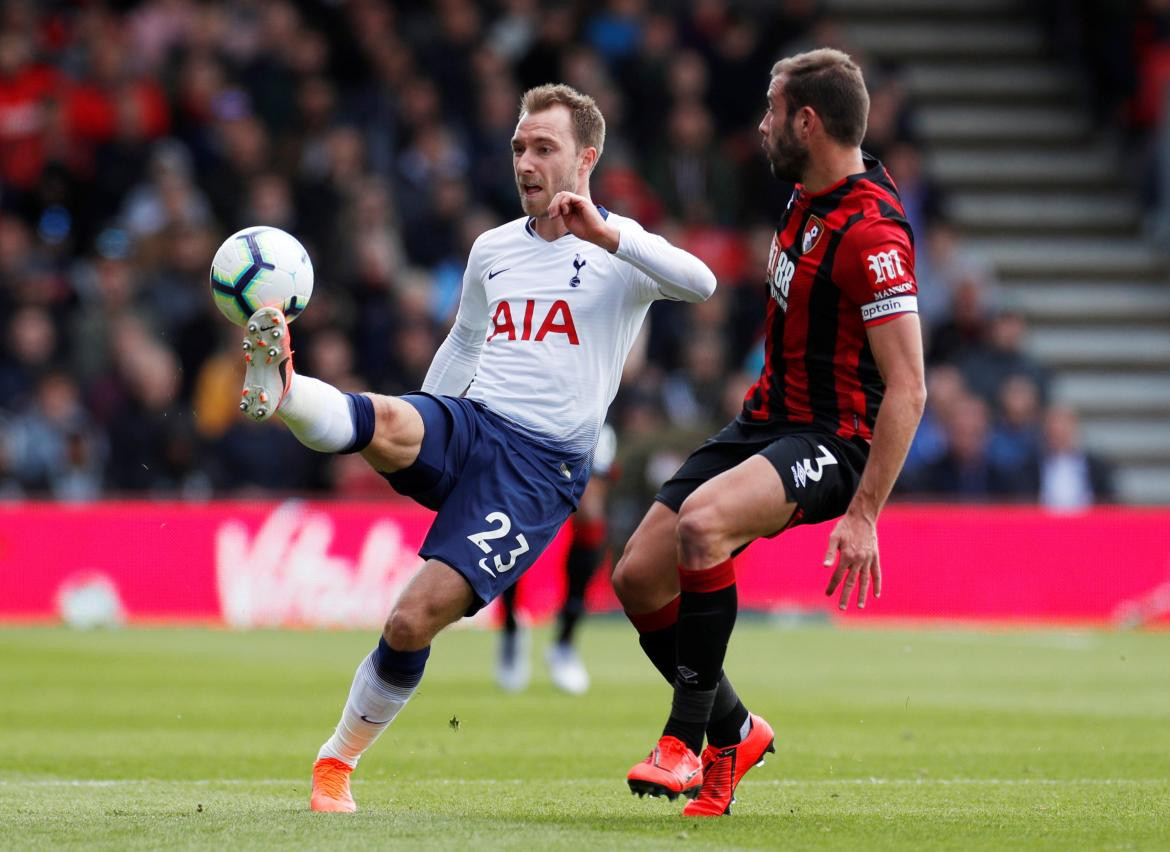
<point x="578" y="265"/>
<point x="812" y="234"/>
<point x="558" y="320"/>
<point x="885" y="266"/>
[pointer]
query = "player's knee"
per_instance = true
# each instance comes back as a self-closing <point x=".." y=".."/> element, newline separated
<point x="397" y="434"/>
<point x="631" y="577"/>
<point x="389" y="420"/>
<point x="410" y="627"/>
<point x="641" y="583"/>
<point x="622" y="577"/>
<point x="700" y="534"/>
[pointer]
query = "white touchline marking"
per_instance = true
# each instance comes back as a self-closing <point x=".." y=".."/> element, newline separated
<point x="761" y="782"/>
<point x="1061" y="641"/>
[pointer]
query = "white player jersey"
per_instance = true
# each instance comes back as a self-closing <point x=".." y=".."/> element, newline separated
<point x="543" y="328"/>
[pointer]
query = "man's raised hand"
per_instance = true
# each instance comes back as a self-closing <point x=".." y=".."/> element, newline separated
<point x="582" y="220"/>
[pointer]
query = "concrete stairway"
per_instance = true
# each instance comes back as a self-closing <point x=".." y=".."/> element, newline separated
<point x="1043" y="194"/>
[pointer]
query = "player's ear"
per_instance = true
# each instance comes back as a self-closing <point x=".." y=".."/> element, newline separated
<point x="589" y="159"/>
<point x="806" y="120"/>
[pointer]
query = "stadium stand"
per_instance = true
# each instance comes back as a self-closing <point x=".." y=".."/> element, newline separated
<point x="1040" y="182"/>
<point x="135" y="136"/>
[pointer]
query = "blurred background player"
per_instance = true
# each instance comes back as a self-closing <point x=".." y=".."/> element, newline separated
<point x="586" y="552"/>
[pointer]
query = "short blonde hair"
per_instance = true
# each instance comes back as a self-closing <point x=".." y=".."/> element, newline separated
<point x="830" y="82"/>
<point x="588" y="122"/>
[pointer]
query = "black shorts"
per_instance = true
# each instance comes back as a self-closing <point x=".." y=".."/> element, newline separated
<point x="820" y="470"/>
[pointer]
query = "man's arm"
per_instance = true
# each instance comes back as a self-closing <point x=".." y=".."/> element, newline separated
<point x="897" y="350"/>
<point x="678" y="274"/>
<point x="457" y="359"/>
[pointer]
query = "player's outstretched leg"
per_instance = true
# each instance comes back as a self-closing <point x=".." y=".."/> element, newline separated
<point x="318" y="414"/>
<point x="386" y="430"/>
<point x="513" y="667"/>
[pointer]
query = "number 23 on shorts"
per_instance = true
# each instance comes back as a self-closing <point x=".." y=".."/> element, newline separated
<point x="500" y="526"/>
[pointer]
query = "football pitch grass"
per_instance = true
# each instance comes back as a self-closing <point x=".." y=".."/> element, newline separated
<point x="887" y="739"/>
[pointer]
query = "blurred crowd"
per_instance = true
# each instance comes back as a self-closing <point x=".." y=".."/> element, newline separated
<point x="135" y="136"/>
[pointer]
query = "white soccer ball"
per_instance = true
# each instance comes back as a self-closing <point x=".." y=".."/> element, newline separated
<point x="261" y="267"/>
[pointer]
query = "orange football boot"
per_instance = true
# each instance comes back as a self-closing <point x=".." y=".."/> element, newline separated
<point x="725" y="766"/>
<point x="331" y="787"/>
<point x="268" y="368"/>
<point x="671" y="769"/>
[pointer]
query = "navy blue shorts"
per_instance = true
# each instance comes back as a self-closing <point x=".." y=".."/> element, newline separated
<point x="500" y="494"/>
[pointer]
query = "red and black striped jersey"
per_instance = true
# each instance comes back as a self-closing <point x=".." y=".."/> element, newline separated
<point x="842" y="259"/>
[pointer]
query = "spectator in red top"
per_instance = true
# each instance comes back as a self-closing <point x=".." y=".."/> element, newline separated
<point x="25" y="89"/>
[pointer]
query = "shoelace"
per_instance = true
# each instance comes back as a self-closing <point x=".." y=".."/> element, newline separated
<point x="332" y="782"/>
<point x="718" y="774"/>
<point x="670" y="751"/>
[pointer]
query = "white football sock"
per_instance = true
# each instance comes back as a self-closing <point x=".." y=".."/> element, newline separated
<point x="369" y="710"/>
<point x="318" y="414"/>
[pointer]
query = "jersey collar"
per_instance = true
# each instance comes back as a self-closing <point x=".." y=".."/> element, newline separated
<point x="873" y="172"/>
<point x="532" y="219"/>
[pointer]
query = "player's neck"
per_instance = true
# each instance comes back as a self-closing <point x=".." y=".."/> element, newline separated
<point x="549" y="229"/>
<point x="832" y="166"/>
<point x="553" y="229"/>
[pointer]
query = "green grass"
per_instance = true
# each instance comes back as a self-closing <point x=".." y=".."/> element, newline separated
<point x="888" y="739"/>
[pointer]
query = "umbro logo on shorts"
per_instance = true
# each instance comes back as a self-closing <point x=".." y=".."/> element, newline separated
<point x="803" y="470"/>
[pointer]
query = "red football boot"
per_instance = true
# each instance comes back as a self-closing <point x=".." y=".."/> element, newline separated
<point x="670" y="770"/>
<point x="725" y="766"/>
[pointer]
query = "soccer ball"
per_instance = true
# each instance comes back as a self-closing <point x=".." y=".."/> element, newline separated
<point x="258" y="268"/>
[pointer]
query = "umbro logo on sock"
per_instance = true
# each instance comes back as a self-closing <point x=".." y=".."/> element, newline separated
<point x="687" y="675"/>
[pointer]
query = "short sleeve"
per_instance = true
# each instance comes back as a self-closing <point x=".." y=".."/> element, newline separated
<point x="875" y="269"/>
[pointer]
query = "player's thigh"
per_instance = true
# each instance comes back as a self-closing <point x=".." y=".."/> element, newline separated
<point x="747" y="502"/>
<point x="646" y="576"/>
<point x="501" y="514"/>
<point x="436" y="596"/>
<point x="398" y="434"/>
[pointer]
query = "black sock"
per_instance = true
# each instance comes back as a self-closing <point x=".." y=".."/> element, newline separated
<point x="728" y="716"/>
<point x="689" y="711"/>
<point x="585" y="555"/>
<point x="508" y="604"/>
<point x="706" y="617"/>
<point x="583" y="559"/>
<point x="658" y="645"/>
<point x="727" y="712"/>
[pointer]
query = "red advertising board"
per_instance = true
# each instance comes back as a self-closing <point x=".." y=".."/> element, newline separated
<point x="332" y="564"/>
